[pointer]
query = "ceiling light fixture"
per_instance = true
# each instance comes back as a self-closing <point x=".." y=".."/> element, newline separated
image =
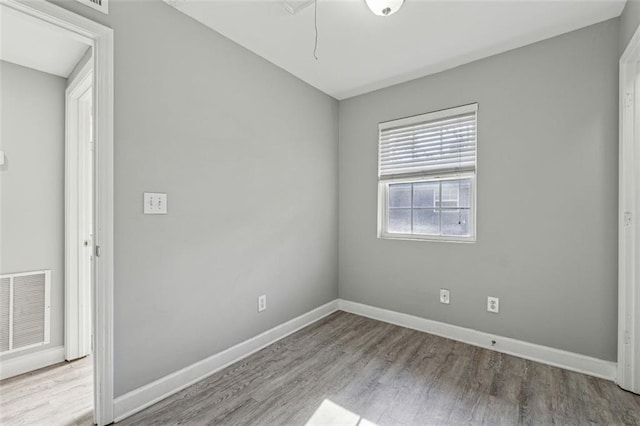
<point x="384" y="7"/>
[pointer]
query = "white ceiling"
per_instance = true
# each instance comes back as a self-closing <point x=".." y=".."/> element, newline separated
<point x="26" y="43"/>
<point x="359" y="52"/>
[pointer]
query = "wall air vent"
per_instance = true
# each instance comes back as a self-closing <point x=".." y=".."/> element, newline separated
<point x="24" y="310"/>
<point x="101" y="5"/>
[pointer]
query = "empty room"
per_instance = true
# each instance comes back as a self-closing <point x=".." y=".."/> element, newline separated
<point x="319" y="212"/>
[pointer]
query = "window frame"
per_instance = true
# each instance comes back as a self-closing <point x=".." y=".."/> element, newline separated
<point x="383" y="209"/>
<point x="384" y="182"/>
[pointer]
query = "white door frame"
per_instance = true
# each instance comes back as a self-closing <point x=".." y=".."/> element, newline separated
<point x="629" y="220"/>
<point x="78" y="245"/>
<point x="100" y="38"/>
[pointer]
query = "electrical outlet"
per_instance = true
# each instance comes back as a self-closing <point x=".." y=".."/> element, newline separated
<point x="493" y="304"/>
<point x="444" y="296"/>
<point x="262" y="303"/>
<point x="155" y="203"/>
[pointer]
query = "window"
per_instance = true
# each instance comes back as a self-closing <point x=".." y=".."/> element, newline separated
<point x="427" y="176"/>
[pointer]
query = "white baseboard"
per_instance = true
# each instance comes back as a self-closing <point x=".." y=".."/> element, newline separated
<point x="30" y="362"/>
<point x="543" y="354"/>
<point x="145" y="396"/>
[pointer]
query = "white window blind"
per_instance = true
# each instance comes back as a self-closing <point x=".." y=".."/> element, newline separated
<point x="429" y="144"/>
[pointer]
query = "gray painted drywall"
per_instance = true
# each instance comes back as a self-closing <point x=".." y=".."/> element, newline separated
<point x="547" y="197"/>
<point x="32" y="182"/>
<point x="248" y="156"/>
<point x="629" y="21"/>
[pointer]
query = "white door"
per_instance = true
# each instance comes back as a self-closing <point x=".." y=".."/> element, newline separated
<point x="629" y="224"/>
<point x="85" y="225"/>
<point x="79" y="217"/>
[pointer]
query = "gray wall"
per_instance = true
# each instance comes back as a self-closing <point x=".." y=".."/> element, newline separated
<point x="547" y="197"/>
<point x="32" y="182"/>
<point x="248" y="156"/>
<point x="629" y="21"/>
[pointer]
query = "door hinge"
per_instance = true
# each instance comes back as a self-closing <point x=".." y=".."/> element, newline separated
<point x="628" y="219"/>
<point x="98" y="251"/>
<point x="628" y="99"/>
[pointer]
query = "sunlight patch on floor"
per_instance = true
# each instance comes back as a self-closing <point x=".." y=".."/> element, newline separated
<point x="330" y="413"/>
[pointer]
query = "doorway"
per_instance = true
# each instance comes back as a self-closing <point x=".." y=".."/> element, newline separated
<point x="94" y="226"/>
<point x="37" y="298"/>
<point x="628" y="376"/>
<point x="79" y="211"/>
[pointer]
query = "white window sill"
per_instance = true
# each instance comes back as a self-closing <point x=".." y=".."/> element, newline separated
<point x="428" y="238"/>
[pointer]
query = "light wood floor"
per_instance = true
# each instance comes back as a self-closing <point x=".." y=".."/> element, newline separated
<point x="347" y="369"/>
<point x="55" y="396"/>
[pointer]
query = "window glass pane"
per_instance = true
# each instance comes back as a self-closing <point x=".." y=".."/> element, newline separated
<point x="400" y="195"/>
<point x="465" y="193"/>
<point x="400" y="221"/>
<point x="425" y="194"/>
<point x="430" y="208"/>
<point x="426" y="221"/>
<point x="455" y="222"/>
<point x="450" y="193"/>
<point x="456" y="193"/>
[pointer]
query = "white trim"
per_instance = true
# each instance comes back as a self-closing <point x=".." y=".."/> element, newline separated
<point x="78" y="78"/>
<point x="47" y="307"/>
<point x="543" y="354"/>
<point x="26" y="363"/>
<point x="430" y="116"/>
<point x="100" y="38"/>
<point x="628" y="374"/>
<point x="81" y="83"/>
<point x="11" y="298"/>
<point x="145" y="396"/>
<point x="103" y="224"/>
<point x="28" y="273"/>
<point x="293" y="8"/>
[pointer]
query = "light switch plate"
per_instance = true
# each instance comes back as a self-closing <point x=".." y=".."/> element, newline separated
<point x="155" y="203"/>
<point x="262" y="303"/>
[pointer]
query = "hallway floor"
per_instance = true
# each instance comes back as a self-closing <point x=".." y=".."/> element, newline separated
<point x="54" y="396"/>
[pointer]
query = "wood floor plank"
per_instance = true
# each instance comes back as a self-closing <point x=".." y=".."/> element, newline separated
<point x="347" y="369"/>
<point x="384" y="374"/>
